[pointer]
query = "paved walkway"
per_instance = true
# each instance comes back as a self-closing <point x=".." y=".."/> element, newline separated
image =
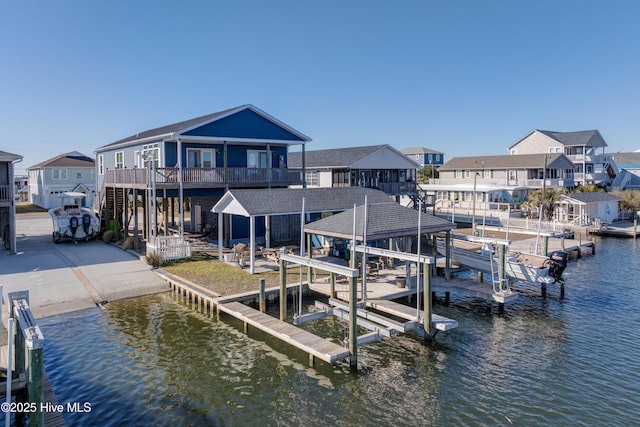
<point x="67" y="277"/>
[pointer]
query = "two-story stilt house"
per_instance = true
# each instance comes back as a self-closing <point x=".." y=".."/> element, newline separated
<point x="189" y="165"/>
<point x="8" y="201"/>
<point x="376" y="166"/>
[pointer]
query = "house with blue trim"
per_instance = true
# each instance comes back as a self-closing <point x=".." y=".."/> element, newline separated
<point x="8" y="200"/>
<point x="425" y="156"/>
<point x="189" y="165"/>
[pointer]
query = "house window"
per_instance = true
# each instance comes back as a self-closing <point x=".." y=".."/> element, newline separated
<point x="467" y="174"/>
<point x="78" y="175"/>
<point x="151" y="151"/>
<point x="512" y="175"/>
<point x="59" y="174"/>
<point x="554" y="150"/>
<point x="487" y="173"/>
<point x="458" y="174"/>
<point x="312" y="178"/>
<point x="119" y="160"/>
<point x="101" y="164"/>
<point x="200" y="158"/>
<point x="256" y="159"/>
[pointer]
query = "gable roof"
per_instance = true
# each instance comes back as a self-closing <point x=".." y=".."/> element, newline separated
<point x="383" y="221"/>
<point x="588" y="138"/>
<point x="284" y="201"/>
<point x="520" y="161"/>
<point x="8" y="157"/>
<point x="626" y="159"/>
<point x="419" y="150"/>
<point x="229" y="124"/>
<point x="594" y="197"/>
<point x="345" y="157"/>
<point x="73" y="159"/>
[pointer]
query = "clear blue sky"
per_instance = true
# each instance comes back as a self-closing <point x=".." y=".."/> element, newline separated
<point x="464" y="77"/>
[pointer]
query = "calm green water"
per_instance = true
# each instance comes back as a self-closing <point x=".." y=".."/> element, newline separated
<point x="572" y="362"/>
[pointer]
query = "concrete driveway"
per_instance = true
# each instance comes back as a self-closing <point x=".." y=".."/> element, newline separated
<point x="67" y="277"/>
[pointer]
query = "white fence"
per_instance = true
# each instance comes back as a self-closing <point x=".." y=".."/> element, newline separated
<point x="169" y="247"/>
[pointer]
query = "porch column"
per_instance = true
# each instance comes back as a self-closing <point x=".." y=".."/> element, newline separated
<point x="220" y="234"/>
<point x="267" y="227"/>
<point x="12" y="213"/>
<point x="447" y="268"/>
<point x="252" y="244"/>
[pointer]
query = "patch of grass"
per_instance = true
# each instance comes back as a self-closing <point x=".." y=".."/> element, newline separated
<point x="222" y="278"/>
<point x="25" y="208"/>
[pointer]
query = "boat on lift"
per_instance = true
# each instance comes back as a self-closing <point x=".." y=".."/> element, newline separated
<point x="73" y="222"/>
<point x="519" y="267"/>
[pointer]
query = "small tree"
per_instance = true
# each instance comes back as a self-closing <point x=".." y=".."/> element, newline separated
<point x="588" y="188"/>
<point x="425" y="174"/>
<point x="630" y="200"/>
<point x="548" y="201"/>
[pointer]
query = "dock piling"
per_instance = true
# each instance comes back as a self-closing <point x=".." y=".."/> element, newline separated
<point x="263" y="302"/>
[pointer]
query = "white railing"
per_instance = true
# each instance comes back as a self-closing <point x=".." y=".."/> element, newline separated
<point x="169" y="247"/>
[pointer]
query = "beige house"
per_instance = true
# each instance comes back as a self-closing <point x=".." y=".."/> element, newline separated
<point x="501" y="178"/>
<point x="585" y="149"/>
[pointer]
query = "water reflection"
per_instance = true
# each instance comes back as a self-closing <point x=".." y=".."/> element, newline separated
<point x="155" y="361"/>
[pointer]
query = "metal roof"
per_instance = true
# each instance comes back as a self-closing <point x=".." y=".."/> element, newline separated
<point x="519" y="161"/>
<point x="284" y="201"/>
<point x="384" y="221"/>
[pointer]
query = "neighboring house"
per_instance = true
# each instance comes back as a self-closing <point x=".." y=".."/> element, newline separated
<point x="425" y="156"/>
<point x="376" y="166"/>
<point x="500" y="178"/>
<point x="586" y="149"/>
<point x="587" y="208"/>
<point x="197" y="161"/>
<point x="67" y="172"/>
<point x="8" y="200"/>
<point x="629" y="165"/>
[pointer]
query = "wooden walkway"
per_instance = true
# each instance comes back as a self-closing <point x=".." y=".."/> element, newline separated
<point x="441" y="323"/>
<point x="306" y="341"/>
<point x="51" y="419"/>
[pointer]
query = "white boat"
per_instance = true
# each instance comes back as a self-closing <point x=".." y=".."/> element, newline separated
<point x="516" y="267"/>
<point x="71" y="221"/>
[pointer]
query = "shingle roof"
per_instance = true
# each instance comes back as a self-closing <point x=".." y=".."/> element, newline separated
<point x="332" y="158"/>
<point x="67" y="160"/>
<point x="626" y="158"/>
<point x="281" y="201"/>
<point x="589" y="138"/>
<point x="595" y="197"/>
<point x="5" y="155"/>
<point x="384" y="221"/>
<point x="191" y="123"/>
<point x="520" y="161"/>
<point x="420" y="150"/>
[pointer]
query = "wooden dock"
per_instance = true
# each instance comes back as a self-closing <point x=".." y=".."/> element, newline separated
<point x="440" y="323"/>
<point x="51" y="419"/>
<point x="299" y="338"/>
